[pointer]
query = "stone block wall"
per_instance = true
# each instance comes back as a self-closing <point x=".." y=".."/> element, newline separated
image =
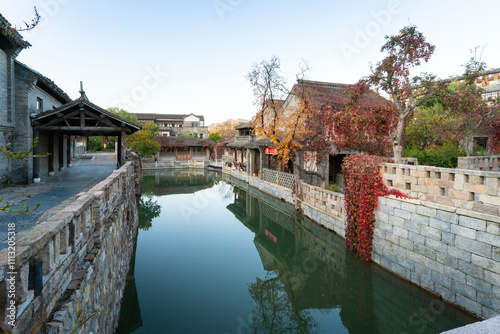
<point x="323" y="206"/>
<point x="76" y="260"/>
<point x="488" y="163"/>
<point x="465" y="189"/>
<point x="450" y="251"/>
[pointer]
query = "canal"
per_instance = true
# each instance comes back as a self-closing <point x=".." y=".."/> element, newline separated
<point x="214" y="256"/>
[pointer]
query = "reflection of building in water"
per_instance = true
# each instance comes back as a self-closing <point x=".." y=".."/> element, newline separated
<point x="161" y="182"/>
<point x="316" y="272"/>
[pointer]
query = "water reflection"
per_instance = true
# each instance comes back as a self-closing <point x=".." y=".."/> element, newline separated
<point x="148" y="209"/>
<point x="175" y="181"/>
<point x="296" y="277"/>
<point x="310" y="269"/>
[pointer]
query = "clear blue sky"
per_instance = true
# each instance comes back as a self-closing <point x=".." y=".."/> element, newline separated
<point x="192" y="56"/>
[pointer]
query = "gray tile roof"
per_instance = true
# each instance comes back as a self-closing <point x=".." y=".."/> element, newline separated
<point x="12" y="36"/>
<point x="46" y="84"/>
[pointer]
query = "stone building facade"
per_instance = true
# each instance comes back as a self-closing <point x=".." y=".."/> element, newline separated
<point x="177" y="124"/>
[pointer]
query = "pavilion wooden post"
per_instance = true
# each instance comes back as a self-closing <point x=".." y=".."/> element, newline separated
<point x="121" y="148"/>
<point x="36" y="161"/>
<point x="261" y="151"/>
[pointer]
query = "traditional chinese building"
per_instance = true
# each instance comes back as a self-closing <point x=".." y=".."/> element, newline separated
<point x="173" y="125"/>
<point x="33" y="106"/>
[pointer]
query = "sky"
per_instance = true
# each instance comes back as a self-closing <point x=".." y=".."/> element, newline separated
<point x="192" y="56"/>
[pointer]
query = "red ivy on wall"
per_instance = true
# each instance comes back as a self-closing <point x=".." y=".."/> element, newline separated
<point x="363" y="185"/>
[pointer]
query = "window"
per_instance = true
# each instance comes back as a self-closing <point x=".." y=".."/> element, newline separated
<point x="201" y="135"/>
<point x="481" y="142"/>
<point x="39" y="104"/>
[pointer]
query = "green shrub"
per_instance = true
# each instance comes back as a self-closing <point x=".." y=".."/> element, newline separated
<point x="438" y="156"/>
<point x="335" y="188"/>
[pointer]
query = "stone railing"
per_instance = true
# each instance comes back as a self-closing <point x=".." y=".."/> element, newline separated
<point x="463" y="189"/>
<point x="281" y="179"/>
<point x="79" y="149"/>
<point x="322" y="199"/>
<point x="53" y="258"/>
<point x="197" y="163"/>
<point x="488" y="163"/>
<point x="241" y="139"/>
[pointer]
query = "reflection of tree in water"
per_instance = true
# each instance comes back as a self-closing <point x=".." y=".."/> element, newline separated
<point x="148" y="210"/>
<point x="275" y="312"/>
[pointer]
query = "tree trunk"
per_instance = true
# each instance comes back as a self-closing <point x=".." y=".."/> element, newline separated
<point x="397" y="145"/>
<point x="466" y="144"/>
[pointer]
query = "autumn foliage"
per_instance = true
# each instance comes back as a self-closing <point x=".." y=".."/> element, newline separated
<point x="404" y="51"/>
<point x="367" y="122"/>
<point x="363" y="186"/>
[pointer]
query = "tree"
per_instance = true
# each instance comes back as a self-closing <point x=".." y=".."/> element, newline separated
<point x="20" y="155"/>
<point x="124" y="114"/>
<point x="9" y="30"/>
<point x="405" y="51"/>
<point x="188" y="134"/>
<point x="142" y="143"/>
<point x="215" y="136"/>
<point x="226" y="129"/>
<point x="290" y="124"/>
<point x="421" y="129"/>
<point x="152" y="127"/>
<point x="465" y="103"/>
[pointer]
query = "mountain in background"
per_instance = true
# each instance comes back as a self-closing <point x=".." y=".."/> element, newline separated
<point x="226" y="128"/>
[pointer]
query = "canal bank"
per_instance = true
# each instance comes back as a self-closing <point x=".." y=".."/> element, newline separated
<point x="449" y="250"/>
<point x="237" y="260"/>
<point x="74" y="263"/>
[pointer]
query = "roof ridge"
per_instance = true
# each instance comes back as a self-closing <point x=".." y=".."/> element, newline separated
<point x="322" y="83"/>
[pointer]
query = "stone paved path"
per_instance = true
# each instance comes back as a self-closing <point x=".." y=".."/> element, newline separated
<point x="490" y="326"/>
<point x="55" y="192"/>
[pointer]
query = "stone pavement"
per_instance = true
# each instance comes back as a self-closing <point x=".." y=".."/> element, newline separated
<point x="55" y="192"/>
<point x="490" y="326"/>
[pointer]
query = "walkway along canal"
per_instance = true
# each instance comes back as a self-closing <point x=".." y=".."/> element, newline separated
<point x="217" y="256"/>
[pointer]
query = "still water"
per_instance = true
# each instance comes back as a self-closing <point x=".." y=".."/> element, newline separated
<point x="214" y="256"/>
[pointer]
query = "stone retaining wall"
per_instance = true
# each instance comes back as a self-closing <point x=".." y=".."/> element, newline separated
<point x="450" y="251"/>
<point x="76" y="260"/>
<point x="453" y="251"/>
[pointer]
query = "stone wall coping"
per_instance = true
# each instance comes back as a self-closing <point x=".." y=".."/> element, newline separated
<point x="442" y="169"/>
<point x="322" y="189"/>
<point x="459" y="211"/>
<point x="480" y="157"/>
<point x="33" y="240"/>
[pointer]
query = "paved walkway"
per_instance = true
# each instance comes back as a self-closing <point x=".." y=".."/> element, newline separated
<point x="490" y="326"/>
<point x="55" y="192"/>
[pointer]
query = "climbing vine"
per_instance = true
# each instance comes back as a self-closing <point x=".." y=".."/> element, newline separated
<point x="363" y="185"/>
